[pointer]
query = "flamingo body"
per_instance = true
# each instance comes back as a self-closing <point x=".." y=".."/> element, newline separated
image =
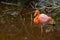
<point x="41" y="18"/>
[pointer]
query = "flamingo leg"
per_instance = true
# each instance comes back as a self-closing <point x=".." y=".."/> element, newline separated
<point x="41" y="32"/>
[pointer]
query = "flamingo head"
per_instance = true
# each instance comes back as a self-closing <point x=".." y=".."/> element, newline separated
<point x="37" y="12"/>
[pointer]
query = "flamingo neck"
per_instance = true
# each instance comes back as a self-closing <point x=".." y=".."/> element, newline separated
<point x="37" y="14"/>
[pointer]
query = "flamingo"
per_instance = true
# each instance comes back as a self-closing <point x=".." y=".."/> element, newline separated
<point x="42" y="19"/>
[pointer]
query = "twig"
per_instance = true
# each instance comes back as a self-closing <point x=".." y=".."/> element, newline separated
<point x="8" y="3"/>
<point x="54" y="5"/>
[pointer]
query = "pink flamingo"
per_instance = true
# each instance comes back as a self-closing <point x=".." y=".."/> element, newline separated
<point x="42" y="19"/>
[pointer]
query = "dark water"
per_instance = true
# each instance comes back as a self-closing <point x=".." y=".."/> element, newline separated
<point x="21" y="27"/>
<point x="18" y="28"/>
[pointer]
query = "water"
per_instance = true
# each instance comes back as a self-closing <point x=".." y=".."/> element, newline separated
<point x="22" y="28"/>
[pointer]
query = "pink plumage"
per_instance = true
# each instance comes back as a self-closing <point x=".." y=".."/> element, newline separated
<point x="41" y="18"/>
